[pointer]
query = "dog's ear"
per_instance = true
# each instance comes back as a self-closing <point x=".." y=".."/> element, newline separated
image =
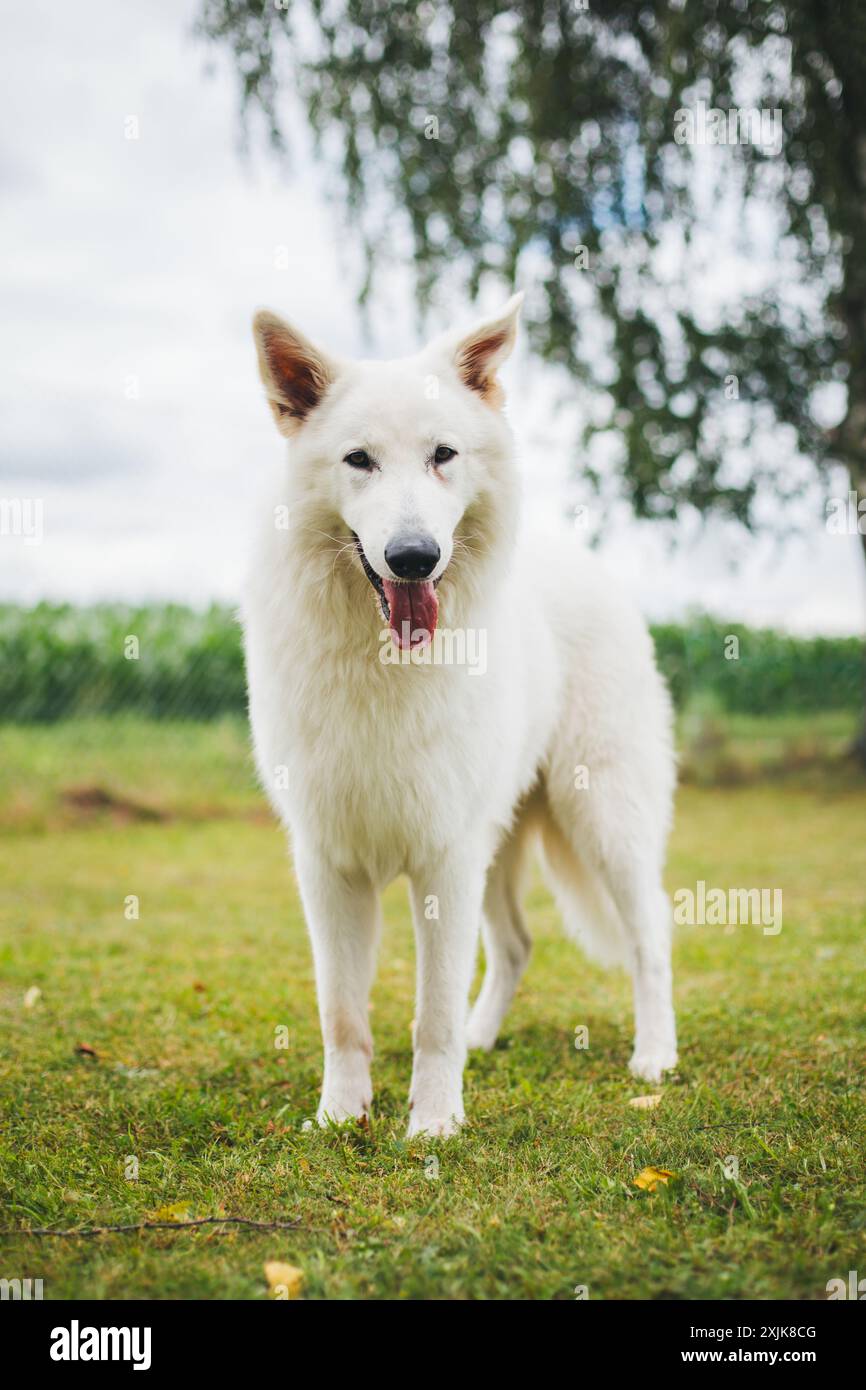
<point x="296" y="375"/>
<point x="479" y="353"/>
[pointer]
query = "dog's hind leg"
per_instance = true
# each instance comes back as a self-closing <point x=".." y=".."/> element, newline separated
<point x="646" y="916"/>
<point x="506" y="941"/>
<point x="609" y="841"/>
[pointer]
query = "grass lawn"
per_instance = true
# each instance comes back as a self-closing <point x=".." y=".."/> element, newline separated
<point x="182" y="1009"/>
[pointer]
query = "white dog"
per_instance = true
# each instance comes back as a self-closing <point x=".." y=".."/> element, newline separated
<point x="399" y="508"/>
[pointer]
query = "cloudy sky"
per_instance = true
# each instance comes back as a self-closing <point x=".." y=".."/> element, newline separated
<point x="130" y="404"/>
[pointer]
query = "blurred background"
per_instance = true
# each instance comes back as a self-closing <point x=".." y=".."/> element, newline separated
<point x="691" y="384"/>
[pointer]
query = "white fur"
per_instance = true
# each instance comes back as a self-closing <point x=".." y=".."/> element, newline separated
<point x="429" y="770"/>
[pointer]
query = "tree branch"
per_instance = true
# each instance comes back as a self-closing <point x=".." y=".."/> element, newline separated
<point x="153" y="1226"/>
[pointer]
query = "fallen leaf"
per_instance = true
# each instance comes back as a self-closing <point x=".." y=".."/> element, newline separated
<point x="32" y="997"/>
<point x="284" y="1281"/>
<point x="174" y="1211"/>
<point x="644" y="1102"/>
<point x="650" y="1178"/>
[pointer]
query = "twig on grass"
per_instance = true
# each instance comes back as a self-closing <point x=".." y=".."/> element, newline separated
<point x="738" y="1124"/>
<point x="154" y="1226"/>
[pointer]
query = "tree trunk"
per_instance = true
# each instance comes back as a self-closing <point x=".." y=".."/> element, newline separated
<point x="858" y="747"/>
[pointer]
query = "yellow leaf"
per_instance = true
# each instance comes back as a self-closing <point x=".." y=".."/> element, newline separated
<point x="175" y="1211"/>
<point x="650" y="1178"/>
<point x="284" y="1281"/>
<point x="644" y="1102"/>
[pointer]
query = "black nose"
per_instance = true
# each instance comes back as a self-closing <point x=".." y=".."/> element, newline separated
<point x="412" y="555"/>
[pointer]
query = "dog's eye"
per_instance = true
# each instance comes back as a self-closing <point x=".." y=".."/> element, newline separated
<point x="359" y="458"/>
<point x="443" y="454"/>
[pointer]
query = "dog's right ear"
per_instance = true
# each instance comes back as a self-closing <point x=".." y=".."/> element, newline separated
<point x="295" y="374"/>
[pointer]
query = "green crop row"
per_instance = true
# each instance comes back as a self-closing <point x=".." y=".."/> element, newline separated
<point x="169" y="661"/>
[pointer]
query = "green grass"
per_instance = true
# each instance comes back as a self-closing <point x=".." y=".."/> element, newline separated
<point x="112" y="770"/>
<point x="537" y="1195"/>
<point x="718" y="747"/>
<point x="176" y="770"/>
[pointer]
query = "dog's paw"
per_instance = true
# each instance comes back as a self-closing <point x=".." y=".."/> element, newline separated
<point x="650" y="1064"/>
<point x="331" y="1114"/>
<point x="433" y="1126"/>
<point x="347" y="1091"/>
<point x="337" y="1106"/>
<point x="436" y="1095"/>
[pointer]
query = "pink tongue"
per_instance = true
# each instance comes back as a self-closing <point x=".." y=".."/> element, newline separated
<point x="414" y="609"/>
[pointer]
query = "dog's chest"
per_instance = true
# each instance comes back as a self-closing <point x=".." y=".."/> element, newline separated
<point x="387" y="774"/>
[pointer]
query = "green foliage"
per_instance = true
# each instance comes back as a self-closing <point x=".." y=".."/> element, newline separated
<point x="58" y="661"/>
<point x="770" y="672"/>
<point x="555" y="130"/>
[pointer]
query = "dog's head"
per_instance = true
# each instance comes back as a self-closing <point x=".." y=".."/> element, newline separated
<point x="409" y="461"/>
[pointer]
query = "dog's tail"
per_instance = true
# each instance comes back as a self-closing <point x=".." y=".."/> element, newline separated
<point x="589" y="914"/>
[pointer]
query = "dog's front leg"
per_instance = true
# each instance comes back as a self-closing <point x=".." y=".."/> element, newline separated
<point x="446" y="904"/>
<point x="342" y="916"/>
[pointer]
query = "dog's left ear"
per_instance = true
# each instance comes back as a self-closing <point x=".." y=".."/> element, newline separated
<point x="479" y="353"/>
